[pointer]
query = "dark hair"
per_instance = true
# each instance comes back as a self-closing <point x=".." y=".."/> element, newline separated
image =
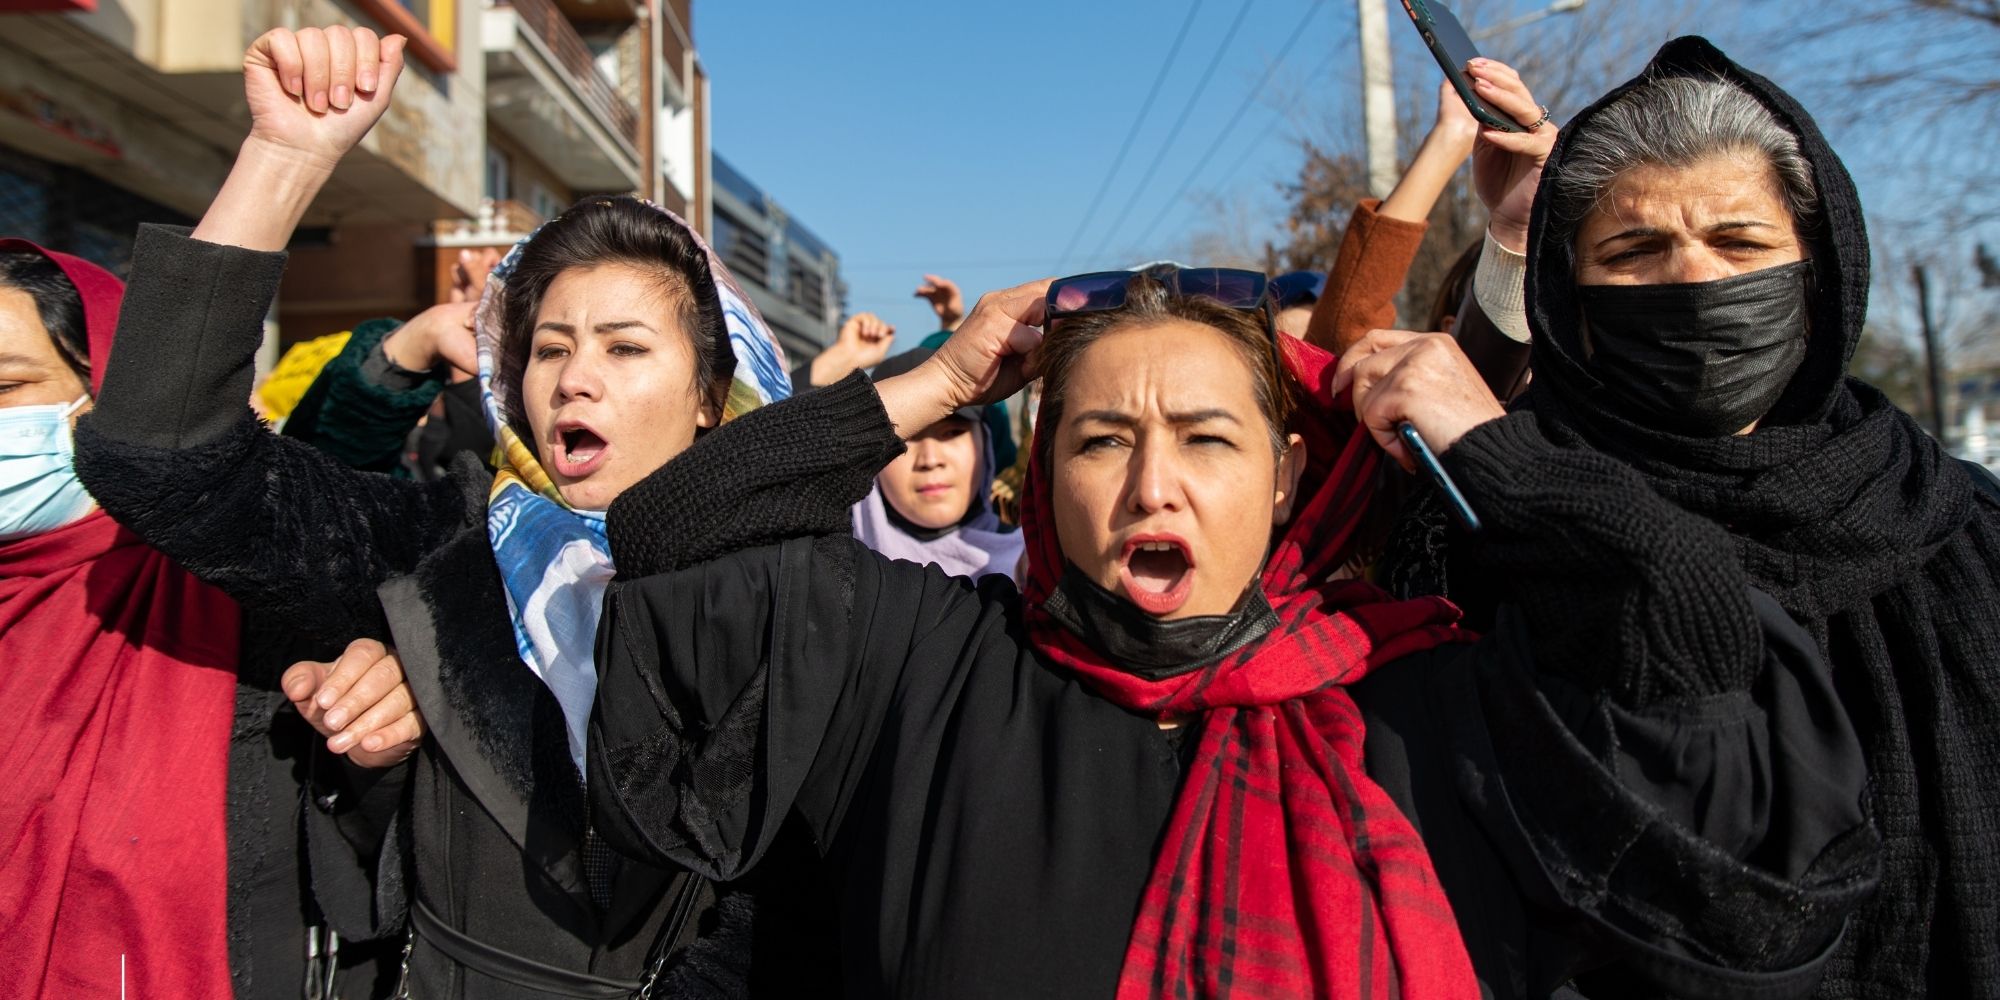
<point x="56" y="299"/>
<point x="1149" y="301"/>
<point x="613" y="230"/>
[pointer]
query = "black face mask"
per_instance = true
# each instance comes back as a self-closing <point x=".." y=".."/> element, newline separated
<point x="1703" y="359"/>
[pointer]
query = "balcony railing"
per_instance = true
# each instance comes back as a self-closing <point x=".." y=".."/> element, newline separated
<point x="498" y="223"/>
<point x="548" y="24"/>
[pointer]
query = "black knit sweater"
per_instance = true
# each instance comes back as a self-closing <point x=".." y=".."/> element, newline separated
<point x="1840" y="507"/>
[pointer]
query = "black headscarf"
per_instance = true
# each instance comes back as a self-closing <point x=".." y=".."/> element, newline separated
<point x="1870" y="535"/>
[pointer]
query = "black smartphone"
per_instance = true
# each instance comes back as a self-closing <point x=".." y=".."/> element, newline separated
<point x="1453" y="49"/>
<point x="1429" y="461"/>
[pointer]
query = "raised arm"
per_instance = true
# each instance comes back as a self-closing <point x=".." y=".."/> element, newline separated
<point x="171" y="449"/>
<point x="1382" y="238"/>
<point x="745" y="669"/>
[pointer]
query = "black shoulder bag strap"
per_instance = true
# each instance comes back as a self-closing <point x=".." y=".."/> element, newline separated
<point x="671" y="931"/>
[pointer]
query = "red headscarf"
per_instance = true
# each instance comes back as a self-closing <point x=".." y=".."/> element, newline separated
<point x="1283" y="865"/>
<point x="120" y="671"/>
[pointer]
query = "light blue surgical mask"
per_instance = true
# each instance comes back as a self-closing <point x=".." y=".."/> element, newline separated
<point x="39" y="490"/>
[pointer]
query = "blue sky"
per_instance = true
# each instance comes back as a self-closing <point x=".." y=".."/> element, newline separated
<point x="969" y="138"/>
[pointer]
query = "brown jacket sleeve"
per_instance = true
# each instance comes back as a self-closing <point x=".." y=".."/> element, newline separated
<point x="1375" y="256"/>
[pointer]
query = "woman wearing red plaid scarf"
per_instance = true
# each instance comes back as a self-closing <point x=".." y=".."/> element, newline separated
<point x="1192" y="755"/>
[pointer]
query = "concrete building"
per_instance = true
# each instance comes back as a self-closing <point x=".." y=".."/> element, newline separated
<point x="792" y="275"/>
<point x="114" y="112"/>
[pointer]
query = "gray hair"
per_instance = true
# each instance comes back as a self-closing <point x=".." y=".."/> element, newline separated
<point x="1677" y="121"/>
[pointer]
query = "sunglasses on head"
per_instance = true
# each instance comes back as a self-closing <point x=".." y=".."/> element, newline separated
<point x="1104" y="291"/>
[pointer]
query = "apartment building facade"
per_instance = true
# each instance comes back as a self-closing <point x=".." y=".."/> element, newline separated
<point x="114" y="112"/>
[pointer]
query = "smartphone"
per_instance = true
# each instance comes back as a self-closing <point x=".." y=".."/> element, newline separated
<point x="1453" y="49"/>
<point x="1428" y="460"/>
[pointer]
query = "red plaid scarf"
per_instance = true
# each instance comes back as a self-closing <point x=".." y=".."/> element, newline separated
<point x="1284" y="871"/>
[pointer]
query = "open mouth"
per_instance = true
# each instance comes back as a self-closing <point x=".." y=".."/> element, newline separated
<point x="1157" y="573"/>
<point x="578" y="451"/>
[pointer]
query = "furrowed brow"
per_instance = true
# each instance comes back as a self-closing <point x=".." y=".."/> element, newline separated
<point x="1637" y="232"/>
<point x="1203" y="416"/>
<point x="1112" y="417"/>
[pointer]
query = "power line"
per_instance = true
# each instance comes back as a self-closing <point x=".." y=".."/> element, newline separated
<point x="1186" y="112"/>
<point x="1131" y="134"/>
<point x="1234" y="119"/>
<point x="1251" y="148"/>
<point x="945" y="267"/>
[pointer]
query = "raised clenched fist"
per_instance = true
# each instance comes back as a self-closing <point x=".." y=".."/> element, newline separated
<point x="316" y="91"/>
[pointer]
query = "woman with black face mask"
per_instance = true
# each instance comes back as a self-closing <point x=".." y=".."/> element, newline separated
<point x="1696" y="280"/>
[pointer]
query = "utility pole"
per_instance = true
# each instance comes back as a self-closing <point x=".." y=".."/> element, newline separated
<point x="1378" y="95"/>
<point x="1933" y="353"/>
<point x="649" y="101"/>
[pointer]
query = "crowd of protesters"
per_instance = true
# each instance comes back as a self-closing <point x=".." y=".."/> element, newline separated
<point x="1601" y="639"/>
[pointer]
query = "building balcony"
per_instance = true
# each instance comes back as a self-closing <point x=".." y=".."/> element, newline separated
<point x="498" y="223"/>
<point x="147" y="95"/>
<point x="543" y="87"/>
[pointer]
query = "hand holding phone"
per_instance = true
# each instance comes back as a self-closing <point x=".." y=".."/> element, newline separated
<point x="1428" y="461"/>
<point x="1453" y="49"/>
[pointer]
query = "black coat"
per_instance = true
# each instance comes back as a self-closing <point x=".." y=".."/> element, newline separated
<point x="990" y="822"/>
<point x="493" y="820"/>
<point x="1843" y="509"/>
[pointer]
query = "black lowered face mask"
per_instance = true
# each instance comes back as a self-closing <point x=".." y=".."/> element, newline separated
<point x="1703" y="359"/>
<point x="1148" y="647"/>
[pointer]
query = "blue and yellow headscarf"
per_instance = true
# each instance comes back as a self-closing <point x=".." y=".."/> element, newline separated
<point x="555" y="560"/>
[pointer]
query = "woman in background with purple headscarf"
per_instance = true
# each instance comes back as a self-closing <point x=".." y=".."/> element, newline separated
<point x="933" y="503"/>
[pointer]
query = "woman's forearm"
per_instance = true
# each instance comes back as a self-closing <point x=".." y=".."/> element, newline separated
<point x="1414" y="196"/>
<point x="262" y="200"/>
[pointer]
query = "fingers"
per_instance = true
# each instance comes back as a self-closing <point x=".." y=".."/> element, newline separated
<point x="318" y="68"/>
<point x="354" y="663"/>
<point x="301" y="679"/>
<point x="866" y="328"/>
<point x="362" y="731"/>
<point x="389" y="67"/>
<point x="340" y="43"/>
<point x="1427" y="381"/>
<point x="367" y="60"/>
<point x="455" y="342"/>
<point x="1025" y="304"/>
<point x="400" y="732"/>
<point x="1499" y="86"/>
<point x="1452" y="111"/>
<point x="1536" y="144"/>
<point x="281" y="48"/>
<point x="372" y="686"/>
<point x="1372" y="344"/>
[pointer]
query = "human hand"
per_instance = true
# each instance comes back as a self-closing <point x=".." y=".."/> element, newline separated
<point x="945" y="298"/>
<point x="1507" y="166"/>
<point x="315" y="92"/>
<point x="360" y="702"/>
<point x="1455" y="124"/>
<point x="468" y="273"/>
<point x="863" y="342"/>
<point x="865" y="339"/>
<point x="986" y="360"/>
<point x="440" y="335"/>
<point x="1422" y="378"/>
